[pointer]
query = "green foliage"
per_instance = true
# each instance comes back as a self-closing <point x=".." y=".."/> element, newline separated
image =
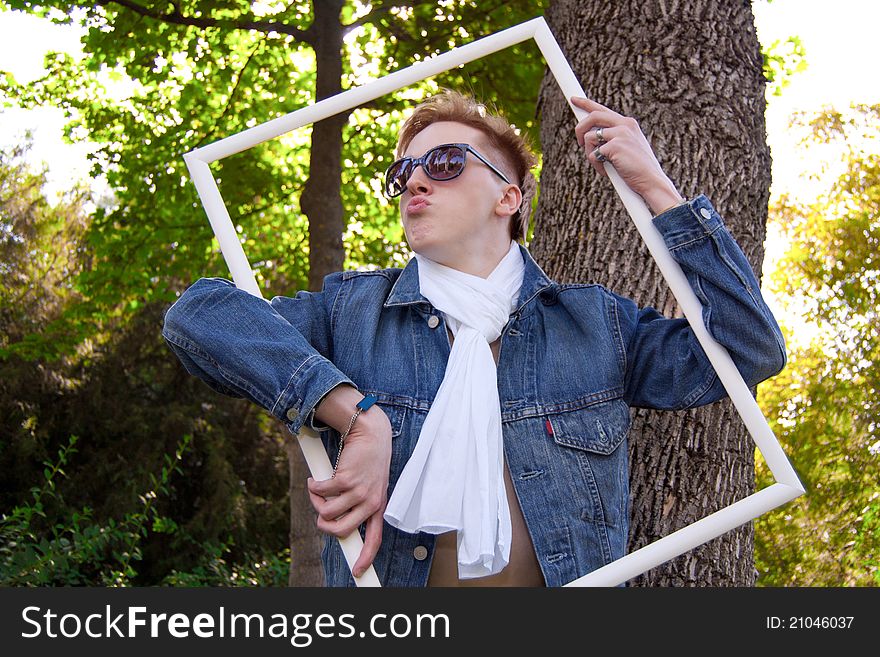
<point x="77" y="550"/>
<point x="216" y="570"/>
<point x="38" y="551"/>
<point x="131" y="404"/>
<point x="825" y="404"/>
<point x="782" y="60"/>
<point x="83" y="293"/>
<point x="41" y="252"/>
<point x="195" y="72"/>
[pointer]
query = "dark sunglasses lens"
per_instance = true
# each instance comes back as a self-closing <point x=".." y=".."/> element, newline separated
<point x="398" y="174"/>
<point x="445" y="162"/>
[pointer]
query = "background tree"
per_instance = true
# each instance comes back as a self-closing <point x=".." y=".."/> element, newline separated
<point x="693" y="78"/>
<point x="40" y="251"/>
<point x="824" y="407"/>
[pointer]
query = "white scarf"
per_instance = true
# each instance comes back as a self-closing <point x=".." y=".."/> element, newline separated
<point x="455" y="476"/>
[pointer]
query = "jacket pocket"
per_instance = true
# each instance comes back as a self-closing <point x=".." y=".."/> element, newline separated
<point x="598" y="428"/>
<point x="396" y="415"/>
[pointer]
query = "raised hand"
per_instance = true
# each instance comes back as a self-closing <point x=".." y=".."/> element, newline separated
<point x="612" y="137"/>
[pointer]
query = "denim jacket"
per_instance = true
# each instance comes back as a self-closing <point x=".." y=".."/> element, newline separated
<point x="573" y="359"/>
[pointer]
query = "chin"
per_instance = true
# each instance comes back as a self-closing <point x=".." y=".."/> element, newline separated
<point x="421" y="242"/>
<point x="427" y="249"/>
<point x="423" y="250"/>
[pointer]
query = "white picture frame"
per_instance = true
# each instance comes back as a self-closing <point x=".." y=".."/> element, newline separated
<point x="787" y="486"/>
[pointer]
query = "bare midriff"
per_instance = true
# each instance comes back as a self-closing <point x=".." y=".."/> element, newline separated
<point x="521" y="570"/>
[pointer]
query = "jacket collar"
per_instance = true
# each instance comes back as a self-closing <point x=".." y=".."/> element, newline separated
<point x="405" y="290"/>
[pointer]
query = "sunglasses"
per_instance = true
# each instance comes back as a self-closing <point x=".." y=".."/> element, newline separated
<point x="443" y="162"/>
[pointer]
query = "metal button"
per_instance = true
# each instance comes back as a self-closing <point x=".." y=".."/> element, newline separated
<point x="433" y="322"/>
<point x="292" y="414"/>
<point x="706" y="214"/>
<point x="420" y="553"/>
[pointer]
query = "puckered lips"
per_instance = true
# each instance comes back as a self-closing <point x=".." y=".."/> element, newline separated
<point x="416" y="204"/>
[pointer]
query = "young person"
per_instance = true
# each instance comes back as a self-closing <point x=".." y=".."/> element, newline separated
<point x="495" y="452"/>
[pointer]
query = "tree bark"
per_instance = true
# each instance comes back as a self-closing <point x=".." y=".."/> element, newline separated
<point x="305" y="539"/>
<point x="690" y="72"/>
<point x="321" y="202"/>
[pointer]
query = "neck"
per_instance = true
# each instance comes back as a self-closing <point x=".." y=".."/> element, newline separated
<point x="481" y="262"/>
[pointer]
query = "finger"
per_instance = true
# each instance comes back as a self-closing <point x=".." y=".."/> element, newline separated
<point x="372" y="541"/>
<point x="346" y="523"/>
<point x="320" y="506"/>
<point x="585" y="126"/>
<point x="591" y="139"/>
<point x="332" y="508"/>
<point x="597" y="163"/>
<point x="341" y="526"/>
<point x="585" y="103"/>
<point x="591" y="105"/>
<point x="326" y="487"/>
<point x="598" y="119"/>
<point x="597" y="114"/>
<point x="317" y="502"/>
<point x="581" y="128"/>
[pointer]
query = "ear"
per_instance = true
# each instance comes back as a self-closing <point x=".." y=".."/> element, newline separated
<point x="509" y="201"/>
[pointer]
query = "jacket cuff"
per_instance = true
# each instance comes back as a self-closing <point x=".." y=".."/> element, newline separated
<point x="307" y="386"/>
<point x="688" y="222"/>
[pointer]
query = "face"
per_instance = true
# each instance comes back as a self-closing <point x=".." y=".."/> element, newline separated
<point x="454" y="221"/>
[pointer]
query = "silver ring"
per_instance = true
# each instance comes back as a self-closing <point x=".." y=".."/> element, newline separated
<point x="599" y="136"/>
<point x="599" y="156"/>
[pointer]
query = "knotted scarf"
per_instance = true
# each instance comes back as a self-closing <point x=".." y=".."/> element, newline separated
<point x="454" y="479"/>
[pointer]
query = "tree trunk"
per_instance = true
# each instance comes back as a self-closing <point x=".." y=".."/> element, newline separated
<point x="321" y="202"/>
<point x="305" y="539"/>
<point x="691" y="73"/>
<point x="321" y="199"/>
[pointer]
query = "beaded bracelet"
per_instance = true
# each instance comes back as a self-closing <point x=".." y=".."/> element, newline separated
<point x="362" y="405"/>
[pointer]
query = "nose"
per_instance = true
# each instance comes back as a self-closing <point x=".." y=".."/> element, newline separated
<point x="418" y="182"/>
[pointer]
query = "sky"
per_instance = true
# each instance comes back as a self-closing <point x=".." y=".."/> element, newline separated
<point x="839" y="38"/>
<point x="23" y="42"/>
<point x="840" y="43"/>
